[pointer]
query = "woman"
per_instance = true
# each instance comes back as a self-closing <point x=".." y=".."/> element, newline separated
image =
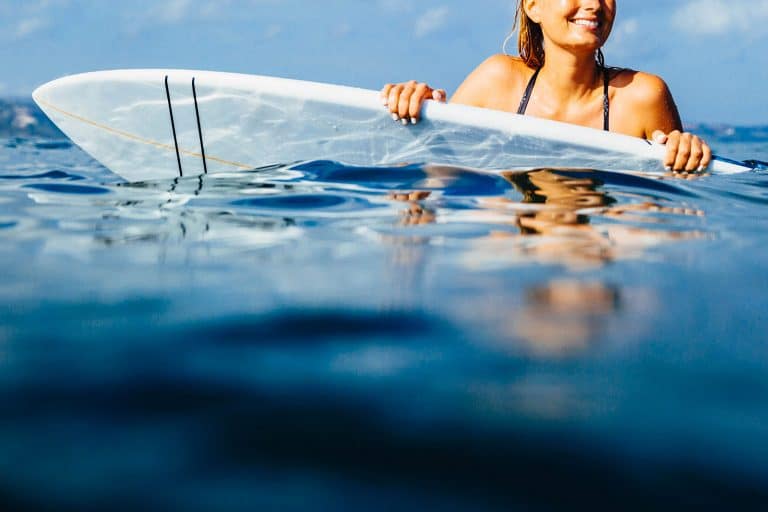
<point x="560" y="75"/>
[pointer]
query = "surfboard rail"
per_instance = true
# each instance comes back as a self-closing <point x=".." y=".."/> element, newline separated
<point x="159" y="123"/>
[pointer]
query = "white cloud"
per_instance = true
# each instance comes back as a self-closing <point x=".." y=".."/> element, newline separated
<point x="717" y="17"/>
<point x="625" y="35"/>
<point x="220" y="9"/>
<point x="172" y="11"/>
<point x="26" y="27"/>
<point x="273" y="31"/>
<point x="628" y="27"/>
<point x="431" y="21"/>
<point x="341" y="30"/>
<point x="143" y="14"/>
<point x="395" y="6"/>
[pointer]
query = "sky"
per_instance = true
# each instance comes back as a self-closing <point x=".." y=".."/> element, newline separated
<point x="712" y="53"/>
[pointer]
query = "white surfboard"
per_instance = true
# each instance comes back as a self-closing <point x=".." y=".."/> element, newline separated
<point x="156" y="124"/>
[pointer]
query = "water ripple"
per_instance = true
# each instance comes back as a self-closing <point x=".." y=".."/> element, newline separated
<point x="55" y="144"/>
<point x="449" y="180"/>
<point x="388" y="329"/>
<point x="305" y="202"/>
<point x="52" y="175"/>
<point x="68" y="189"/>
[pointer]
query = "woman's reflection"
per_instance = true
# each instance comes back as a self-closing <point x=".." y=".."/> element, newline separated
<point x="563" y="217"/>
<point x="563" y="318"/>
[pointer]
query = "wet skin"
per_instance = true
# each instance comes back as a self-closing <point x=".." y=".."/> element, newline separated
<point x="570" y="84"/>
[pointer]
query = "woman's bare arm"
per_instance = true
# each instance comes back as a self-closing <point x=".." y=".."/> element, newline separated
<point x="656" y="110"/>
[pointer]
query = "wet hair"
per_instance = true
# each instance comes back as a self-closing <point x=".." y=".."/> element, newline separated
<point x="530" y="40"/>
<point x="523" y="184"/>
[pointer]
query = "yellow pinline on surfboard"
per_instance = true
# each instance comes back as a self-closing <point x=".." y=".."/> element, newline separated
<point x="137" y="138"/>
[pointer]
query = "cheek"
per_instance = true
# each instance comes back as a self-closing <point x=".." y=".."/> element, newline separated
<point x="555" y="14"/>
<point x="549" y="10"/>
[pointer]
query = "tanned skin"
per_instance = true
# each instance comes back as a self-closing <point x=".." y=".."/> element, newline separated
<point x="569" y="87"/>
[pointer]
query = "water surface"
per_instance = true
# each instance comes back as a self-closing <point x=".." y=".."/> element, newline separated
<point x="317" y="336"/>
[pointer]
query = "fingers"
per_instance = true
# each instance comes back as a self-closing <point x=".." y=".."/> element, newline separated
<point x="385" y="94"/>
<point x="404" y="103"/>
<point x="696" y="154"/>
<point x="659" y="137"/>
<point x="673" y="141"/>
<point x="404" y="100"/>
<point x="707" y="156"/>
<point x="685" y="152"/>
<point x="419" y="95"/>
<point x="417" y="195"/>
<point x="396" y="93"/>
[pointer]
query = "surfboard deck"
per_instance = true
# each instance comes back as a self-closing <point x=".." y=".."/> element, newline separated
<point x="157" y="124"/>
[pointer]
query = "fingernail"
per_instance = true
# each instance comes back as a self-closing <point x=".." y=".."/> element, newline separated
<point x="404" y="121"/>
<point x="701" y="168"/>
<point x="414" y="120"/>
<point x="384" y="101"/>
<point x="395" y="117"/>
<point x="667" y="168"/>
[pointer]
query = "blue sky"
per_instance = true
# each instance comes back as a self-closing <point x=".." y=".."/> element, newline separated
<point x="713" y="53"/>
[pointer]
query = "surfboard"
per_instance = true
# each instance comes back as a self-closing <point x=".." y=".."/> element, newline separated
<point x="158" y="124"/>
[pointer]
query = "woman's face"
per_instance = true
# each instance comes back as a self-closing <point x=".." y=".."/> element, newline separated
<point x="574" y="24"/>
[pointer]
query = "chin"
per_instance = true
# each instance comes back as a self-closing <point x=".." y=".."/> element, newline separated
<point x="584" y="48"/>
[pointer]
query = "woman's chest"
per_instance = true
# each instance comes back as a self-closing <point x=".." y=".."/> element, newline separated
<point x="591" y="111"/>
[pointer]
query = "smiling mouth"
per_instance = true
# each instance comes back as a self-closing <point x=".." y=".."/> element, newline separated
<point x="590" y="24"/>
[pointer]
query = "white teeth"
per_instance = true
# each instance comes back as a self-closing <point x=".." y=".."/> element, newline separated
<point x="586" y="23"/>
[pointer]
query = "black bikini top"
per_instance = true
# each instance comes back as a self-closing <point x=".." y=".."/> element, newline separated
<point x="606" y="103"/>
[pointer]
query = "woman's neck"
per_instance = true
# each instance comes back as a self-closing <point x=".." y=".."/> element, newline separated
<point x="570" y="75"/>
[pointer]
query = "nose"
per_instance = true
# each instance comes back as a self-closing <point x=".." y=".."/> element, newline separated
<point x="592" y="5"/>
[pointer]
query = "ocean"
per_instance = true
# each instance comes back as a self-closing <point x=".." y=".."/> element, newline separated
<point x="325" y="337"/>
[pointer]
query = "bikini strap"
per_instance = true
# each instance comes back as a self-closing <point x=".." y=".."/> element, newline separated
<point x="528" y="91"/>
<point x="606" y="101"/>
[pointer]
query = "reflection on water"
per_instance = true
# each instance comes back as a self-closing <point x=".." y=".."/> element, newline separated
<point x="576" y="221"/>
<point x="573" y="217"/>
<point x="564" y="317"/>
<point x="325" y="337"/>
<point x="548" y="215"/>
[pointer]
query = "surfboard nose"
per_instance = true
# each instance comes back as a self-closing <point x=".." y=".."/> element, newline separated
<point x="51" y="95"/>
<point x="40" y="94"/>
<point x="44" y="92"/>
<point x="43" y="98"/>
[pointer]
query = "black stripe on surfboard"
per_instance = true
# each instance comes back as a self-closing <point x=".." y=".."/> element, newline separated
<point x="199" y="128"/>
<point x="173" y="125"/>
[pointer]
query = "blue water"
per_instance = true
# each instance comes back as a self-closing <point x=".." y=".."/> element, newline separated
<point x="321" y="337"/>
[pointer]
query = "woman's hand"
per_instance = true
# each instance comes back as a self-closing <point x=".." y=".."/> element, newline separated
<point x="685" y="151"/>
<point x="404" y="100"/>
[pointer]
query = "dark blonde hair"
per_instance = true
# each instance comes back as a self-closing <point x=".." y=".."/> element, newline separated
<point x="530" y="40"/>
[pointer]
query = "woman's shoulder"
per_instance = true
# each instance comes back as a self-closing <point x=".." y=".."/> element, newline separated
<point x="504" y="66"/>
<point x="499" y="73"/>
<point x="638" y="87"/>
<point x="490" y="84"/>
<point x="646" y="102"/>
